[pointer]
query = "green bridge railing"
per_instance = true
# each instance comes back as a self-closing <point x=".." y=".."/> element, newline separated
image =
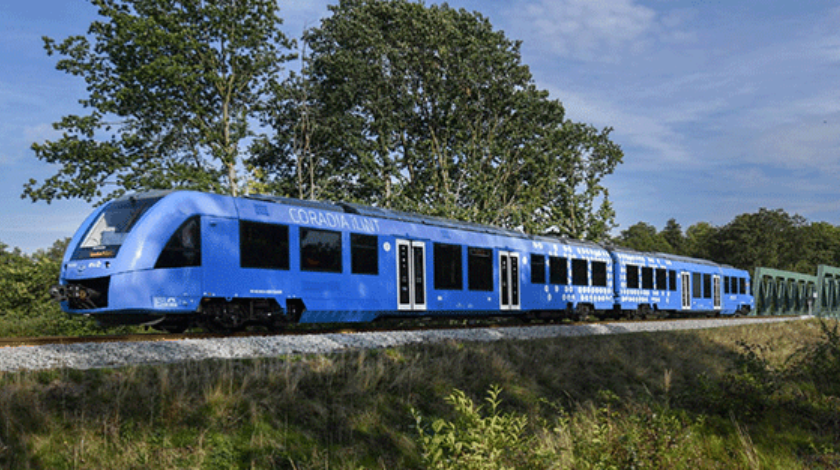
<point x="780" y="292"/>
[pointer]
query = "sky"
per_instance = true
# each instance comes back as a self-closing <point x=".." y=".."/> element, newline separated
<point x="721" y="107"/>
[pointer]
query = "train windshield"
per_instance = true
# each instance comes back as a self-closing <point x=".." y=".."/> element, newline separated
<point x="107" y="233"/>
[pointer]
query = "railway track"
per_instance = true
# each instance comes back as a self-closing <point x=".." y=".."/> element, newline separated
<point x="297" y="330"/>
<point x="116" y="351"/>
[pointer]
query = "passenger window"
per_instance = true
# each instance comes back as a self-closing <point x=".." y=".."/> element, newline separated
<point x="448" y="267"/>
<point x="599" y="273"/>
<point x="538" y="269"/>
<point x="480" y="268"/>
<point x="263" y="246"/>
<point x="647" y="278"/>
<point x="320" y="250"/>
<point x="557" y="269"/>
<point x="364" y="254"/>
<point x="661" y="279"/>
<point x="726" y="280"/>
<point x="707" y="286"/>
<point x="672" y="278"/>
<point x="184" y="247"/>
<point x="632" y="276"/>
<point x="743" y="285"/>
<point x="580" y="276"/>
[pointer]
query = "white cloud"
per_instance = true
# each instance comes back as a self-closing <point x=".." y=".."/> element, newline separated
<point x="809" y="143"/>
<point x="650" y="132"/>
<point x="598" y="30"/>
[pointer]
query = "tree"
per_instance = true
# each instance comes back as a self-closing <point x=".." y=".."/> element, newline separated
<point x="766" y="238"/>
<point x="173" y="86"/>
<point x="429" y="109"/>
<point x="701" y="241"/>
<point x="672" y="234"/>
<point x="643" y="237"/>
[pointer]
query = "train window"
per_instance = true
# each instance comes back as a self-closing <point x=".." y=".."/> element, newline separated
<point x="632" y="276"/>
<point x="557" y="270"/>
<point x="661" y="279"/>
<point x="599" y="273"/>
<point x="696" y="285"/>
<point x="707" y="286"/>
<point x="364" y="254"/>
<point x="320" y="250"/>
<point x="672" y="278"/>
<point x="580" y="276"/>
<point x="726" y="284"/>
<point x="538" y="269"/>
<point x="264" y="246"/>
<point x="184" y="247"/>
<point x="734" y="285"/>
<point x="743" y="282"/>
<point x="480" y="268"/>
<point x="106" y="235"/>
<point x="647" y="278"/>
<point x="448" y="267"/>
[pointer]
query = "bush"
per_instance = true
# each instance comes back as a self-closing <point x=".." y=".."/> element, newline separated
<point x="820" y="362"/>
<point x="25" y="305"/>
<point x="472" y="441"/>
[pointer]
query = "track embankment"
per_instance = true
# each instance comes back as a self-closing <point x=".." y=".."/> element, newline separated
<point x="116" y="351"/>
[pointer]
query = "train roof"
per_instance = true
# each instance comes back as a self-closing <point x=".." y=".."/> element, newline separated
<point x="672" y="257"/>
<point x="390" y="214"/>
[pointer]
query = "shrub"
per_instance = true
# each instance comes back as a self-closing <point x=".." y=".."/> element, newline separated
<point x="473" y="440"/>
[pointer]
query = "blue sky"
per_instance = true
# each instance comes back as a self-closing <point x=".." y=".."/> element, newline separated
<point x="721" y="108"/>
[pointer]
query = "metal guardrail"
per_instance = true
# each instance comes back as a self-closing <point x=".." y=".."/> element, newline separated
<point x="829" y="291"/>
<point x="780" y="292"/>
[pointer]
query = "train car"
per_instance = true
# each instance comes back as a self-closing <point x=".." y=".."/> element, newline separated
<point x="649" y="283"/>
<point x="737" y="291"/>
<point x="181" y="259"/>
<point x="569" y="278"/>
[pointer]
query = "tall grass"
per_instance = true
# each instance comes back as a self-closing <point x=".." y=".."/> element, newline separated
<point x="760" y="396"/>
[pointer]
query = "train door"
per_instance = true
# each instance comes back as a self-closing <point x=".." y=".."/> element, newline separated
<point x="685" y="288"/>
<point x="716" y="292"/>
<point x="508" y="280"/>
<point x="219" y="255"/>
<point x="411" y="275"/>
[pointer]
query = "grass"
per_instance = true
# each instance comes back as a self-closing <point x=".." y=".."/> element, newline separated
<point x="751" y="397"/>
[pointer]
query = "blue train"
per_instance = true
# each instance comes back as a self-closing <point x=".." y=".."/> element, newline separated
<point x="179" y="259"/>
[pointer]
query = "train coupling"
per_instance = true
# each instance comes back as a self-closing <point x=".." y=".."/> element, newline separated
<point x="58" y="293"/>
<point x="75" y="294"/>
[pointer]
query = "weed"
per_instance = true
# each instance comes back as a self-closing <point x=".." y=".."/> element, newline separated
<point x="737" y="397"/>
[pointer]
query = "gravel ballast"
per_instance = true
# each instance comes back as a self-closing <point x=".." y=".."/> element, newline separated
<point x="117" y="354"/>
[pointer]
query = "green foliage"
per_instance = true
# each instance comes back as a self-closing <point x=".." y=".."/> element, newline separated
<point x="473" y="441"/>
<point x="25" y="305"/>
<point x="173" y="86"/>
<point x="582" y="403"/>
<point x="643" y="237"/>
<point x="769" y="238"/>
<point x="820" y="362"/>
<point x="429" y="109"/>
<point x="637" y="436"/>
<point x="745" y="391"/>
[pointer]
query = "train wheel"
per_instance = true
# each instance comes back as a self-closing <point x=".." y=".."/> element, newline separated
<point x="582" y="311"/>
<point x="642" y="312"/>
<point x="224" y="317"/>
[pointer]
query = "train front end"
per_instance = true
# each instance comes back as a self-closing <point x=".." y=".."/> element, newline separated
<point x="137" y="259"/>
